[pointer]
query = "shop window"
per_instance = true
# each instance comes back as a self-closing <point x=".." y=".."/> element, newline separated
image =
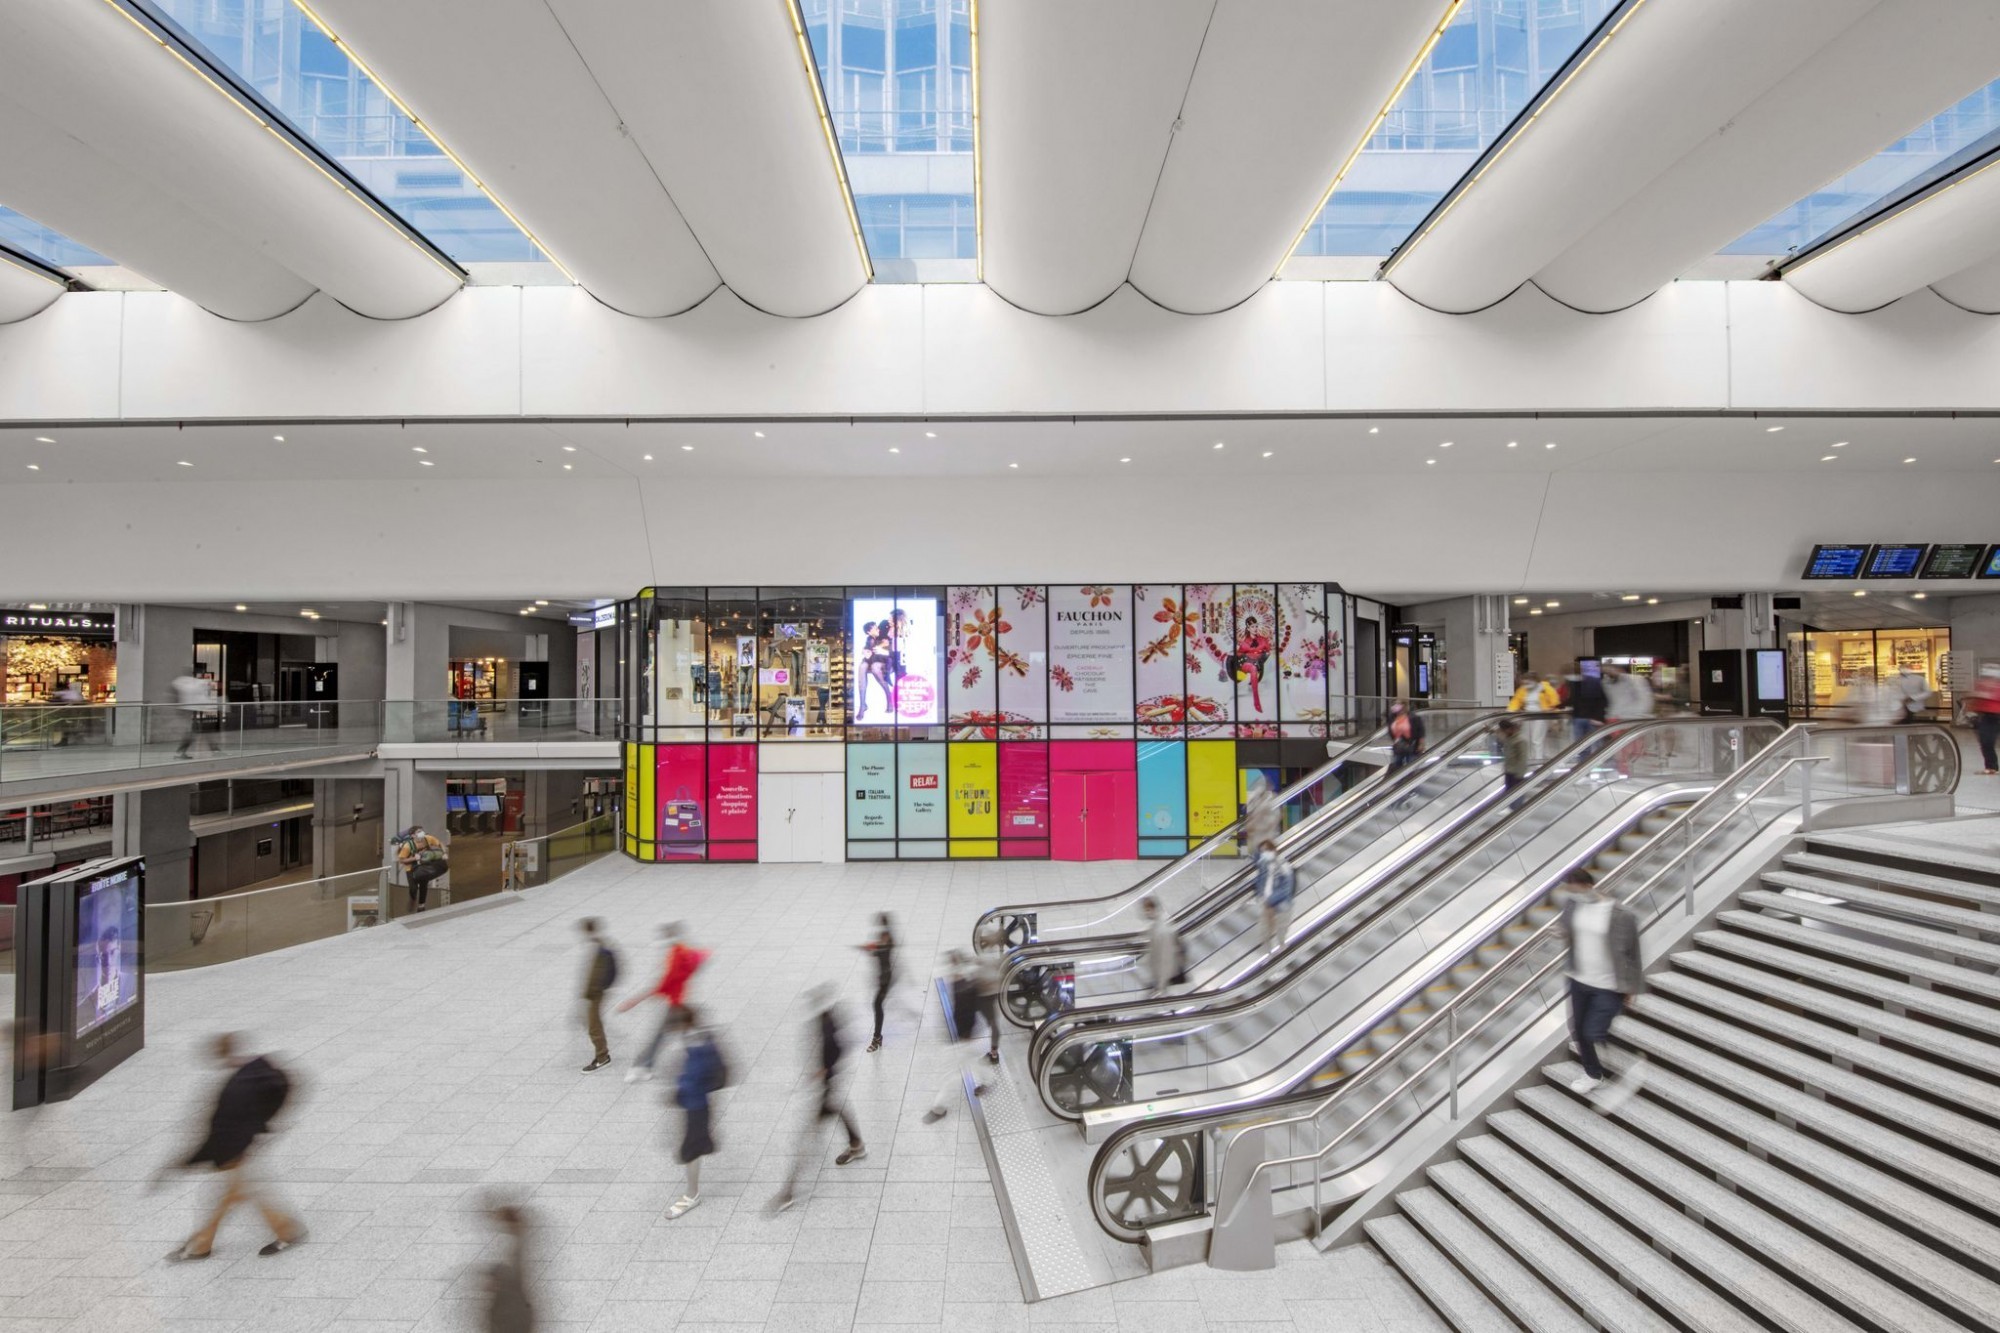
<point x="801" y="663"/>
<point x="730" y="687"/>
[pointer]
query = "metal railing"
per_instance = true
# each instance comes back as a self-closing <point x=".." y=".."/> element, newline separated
<point x="406" y="721"/>
<point x="1921" y="760"/>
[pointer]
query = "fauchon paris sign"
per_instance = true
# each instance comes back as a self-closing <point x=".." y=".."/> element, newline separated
<point x="60" y="624"/>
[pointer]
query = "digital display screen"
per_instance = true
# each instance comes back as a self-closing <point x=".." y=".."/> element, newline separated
<point x="1590" y="668"/>
<point x="484" y="805"/>
<point x="107" y="949"/>
<point x="1895" y="560"/>
<point x="1770" y="674"/>
<point x="455" y="804"/>
<point x="1991" y="569"/>
<point x="1950" y="560"/>
<point x="1836" y="562"/>
<point x="895" y="657"/>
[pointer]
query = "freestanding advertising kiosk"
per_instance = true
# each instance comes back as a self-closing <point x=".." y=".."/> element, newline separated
<point x="79" y="978"/>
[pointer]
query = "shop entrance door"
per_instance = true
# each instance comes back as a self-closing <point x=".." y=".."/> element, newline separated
<point x="1094" y="816"/>
<point x="797" y="820"/>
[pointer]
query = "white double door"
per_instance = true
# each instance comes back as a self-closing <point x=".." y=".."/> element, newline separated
<point x="801" y="817"/>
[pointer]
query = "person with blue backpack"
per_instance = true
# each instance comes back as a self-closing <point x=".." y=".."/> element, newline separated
<point x="704" y="1072"/>
<point x="1276" y="884"/>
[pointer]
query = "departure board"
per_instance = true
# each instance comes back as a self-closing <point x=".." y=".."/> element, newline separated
<point x="1836" y="562"/>
<point x="1894" y="560"/>
<point x="1953" y="561"/>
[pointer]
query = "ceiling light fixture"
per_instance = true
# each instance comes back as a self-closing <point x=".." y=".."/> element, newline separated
<point x="645" y="458"/>
<point x="425" y="462"/>
<point x="1430" y="462"/>
<point x="279" y="438"/>
<point x="1218" y="444"/>
<point x="1381" y="114"/>
<point x="1374" y="430"/>
<point x="1013" y="465"/>
<point x="758" y="433"/>
<point x="1772" y="430"/>
<point x="241" y="607"/>
<point x="1534" y="610"/>
<point x="1550" y="445"/>
<point x="1513" y="444"/>
<point x="930" y="435"/>
<point x="1124" y="460"/>
<point x="1629" y="597"/>
<point x="687" y="448"/>
<point x="541" y="601"/>
<point x="182" y="462"/>
<point x="1839" y="444"/>
<point x="811" y="67"/>
<point x="433" y="135"/>
<point x="418" y="449"/>
<point x="1520" y="601"/>
<point x="1445" y="445"/>
<point x="1861" y="592"/>
<point x="1269" y="452"/>
<point x="894" y="450"/>
<point x="1918" y="596"/>
<point x="1909" y="460"/>
<point x="1828" y="458"/>
<point x="978" y="146"/>
<point x="1551" y="603"/>
<point x="569" y="467"/>
<point x="1652" y="601"/>
<point x="34" y="467"/>
<point x="43" y="439"/>
<point x="569" y="448"/>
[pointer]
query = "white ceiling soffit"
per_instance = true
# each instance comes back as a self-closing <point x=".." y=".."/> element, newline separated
<point x="106" y="83"/>
<point x="1076" y="103"/>
<point x="1670" y="78"/>
<point x="1975" y="288"/>
<point x="1285" y="91"/>
<point x="717" y="96"/>
<point x="1951" y="232"/>
<point x="23" y="291"/>
<point x="1902" y="63"/>
<point x="500" y="84"/>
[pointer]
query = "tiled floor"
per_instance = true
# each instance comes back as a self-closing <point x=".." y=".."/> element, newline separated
<point x="438" y="1071"/>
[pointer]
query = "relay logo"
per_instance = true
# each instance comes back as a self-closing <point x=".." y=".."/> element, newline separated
<point x="923" y="781"/>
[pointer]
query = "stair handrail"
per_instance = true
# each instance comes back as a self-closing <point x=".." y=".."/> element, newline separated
<point x="1448" y="1013"/>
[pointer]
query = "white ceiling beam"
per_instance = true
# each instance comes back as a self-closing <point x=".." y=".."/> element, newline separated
<point x="1951" y="232"/>
<point x="500" y="86"/>
<point x="25" y="291"/>
<point x="1286" y="91"/>
<point x="718" y="96"/>
<point x="1662" y="79"/>
<point x="1076" y="111"/>
<point x="1913" y="58"/>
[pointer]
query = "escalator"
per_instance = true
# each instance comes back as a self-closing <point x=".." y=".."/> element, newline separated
<point x="1281" y="1029"/>
<point x="1379" y="822"/>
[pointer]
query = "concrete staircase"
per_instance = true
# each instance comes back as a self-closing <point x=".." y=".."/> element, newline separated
<point x="1807" y="1135"/>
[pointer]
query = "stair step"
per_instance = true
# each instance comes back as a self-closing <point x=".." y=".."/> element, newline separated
<point x="1730" y="1261"/>
<point x="1912" y="1070"/>
<point x="1462" y="1304"/>
<point x="1867" y="952"/>
<point x="1548" y="1255"/>
<point x="1899" y="1107"/>
<point x="1756" y="1227"/>
<point x="1841" y="1168"/>
<point x="1519" y="1292"/>
<point x="1805" y="1202"/>
<point x="1679" y="1293"/>
<point x="1923" y="937"/>
<point x="1888" y="900"/>
<point x="1815" y="863"/>
<point x="1944" y="1043"/>
<point x="1875" y="844"/>
<point x="1981" y="1018"/>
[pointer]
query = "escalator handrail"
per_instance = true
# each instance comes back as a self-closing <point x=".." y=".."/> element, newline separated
<point x="1547" y="780"/>
<point x="1322" y="823"/>
<point x="1206" y="847"/>
<point x="1373" y="903"/>
<point x="1318" y="1108"/>
<point x="1722" y="794"/>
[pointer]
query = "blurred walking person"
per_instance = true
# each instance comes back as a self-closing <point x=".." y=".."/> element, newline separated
<point x="508" y="1309"/>
<point x="193" y="698"/>
<point x="1406" y="736"/>
<point x="1984" y="705"/>
<point x="1604" y="973"/>
<point x="882" y="950"/>
<point x="1516" y="755"/>
<point x="824" y="1030"/>
<point x="249" y="1100"/>
<point x="676" y="971"/>
<point x="599" y="976"/>
<point x="968" y="1003"/>
<point x="1260" y="815"/>
<point x="1276" y="883"/>
<point x="1534" y="695"/>
<point x="1161" y="961"/>
<point x="703" y="1074"/>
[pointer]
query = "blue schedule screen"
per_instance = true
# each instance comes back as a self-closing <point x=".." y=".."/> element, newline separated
<point x="1895" y="561"/>
<point x="1836" y="562"/>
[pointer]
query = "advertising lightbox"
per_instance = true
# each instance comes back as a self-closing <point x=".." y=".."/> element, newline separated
<point x="894" y="652"/>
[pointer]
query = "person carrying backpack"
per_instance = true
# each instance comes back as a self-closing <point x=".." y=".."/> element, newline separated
<point x="1275" y="885"/>
<point x="600" y="976"/>
<point x="423" y="862"/>
<point x="250" y="1099"/>
<point x="704" y="1073"/>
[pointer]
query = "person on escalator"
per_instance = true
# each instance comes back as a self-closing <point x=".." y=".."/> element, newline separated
<point x="1406" y="736"/>
<point x="1587" y="702"/>
<point x="1275" y="885"/>
<point x="1532" y="694"/>
<point x="1604" y="973"/>
<point x="1162" y="959"/>
<point x="1516" y="754"/>
<point x="1260" y="814"/>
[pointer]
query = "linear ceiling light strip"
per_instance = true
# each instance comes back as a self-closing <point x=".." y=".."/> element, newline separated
<point x="832" y="139"/>
<point x="34" y="267"/>
<point x="431" y="134"/>
<point x="978" y="182"/>
<point x="1388" y="104"/>
<point x="1516" y="131"/>
<point x="1889" y="212"/>
<point x="247" y="101"/>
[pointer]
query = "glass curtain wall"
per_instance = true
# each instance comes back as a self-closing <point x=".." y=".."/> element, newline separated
<point x="1858" y="675"/>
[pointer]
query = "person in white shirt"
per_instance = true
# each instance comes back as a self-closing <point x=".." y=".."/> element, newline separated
<point x="195" y="697"/>
<point x="1162" y="958"/>
<point x="1604" y="971"/>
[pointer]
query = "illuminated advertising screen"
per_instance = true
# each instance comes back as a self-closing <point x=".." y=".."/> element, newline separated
<point x="107" y="949"/>
<point x="895" y="661"/>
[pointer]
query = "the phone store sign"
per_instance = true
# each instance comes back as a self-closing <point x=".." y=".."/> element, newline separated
<point x="74" y="624"/>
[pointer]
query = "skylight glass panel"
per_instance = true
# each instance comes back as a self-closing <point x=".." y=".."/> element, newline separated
<point x="1487" y="65"/>
<point x="275" y="49"/>
<point x="898" y="82"/>
<point x="29" y="237"/>
<point x="1934" y="149"/>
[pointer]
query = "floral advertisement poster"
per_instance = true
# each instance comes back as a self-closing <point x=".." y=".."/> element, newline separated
<point x="1163" y="625"/>
<point x="1211" y="652"/>
<point x="1253" y="666"/>
<point x="1090" y="653"/>
<point x="1308" y="656"/>
<point x="971" y="647"/>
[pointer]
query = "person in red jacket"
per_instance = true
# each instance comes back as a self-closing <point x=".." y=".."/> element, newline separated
<point x="682" y="961"/>
<point x="1984" y="705"/>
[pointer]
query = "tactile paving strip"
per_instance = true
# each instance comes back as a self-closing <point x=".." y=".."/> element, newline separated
<point x="1059" y="1264"/>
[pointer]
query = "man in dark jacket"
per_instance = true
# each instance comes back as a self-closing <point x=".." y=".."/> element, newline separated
<point x="825" y="1036"/>
<point x="250" y="1098"/>
<point x="1604" y="972"/>
<point x="600" y="976"/>
<point x="1587" y="700"/>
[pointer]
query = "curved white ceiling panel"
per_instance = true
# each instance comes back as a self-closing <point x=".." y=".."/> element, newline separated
<point x="1945" y="238"/>
<point x="500" y="84"/>
<point x="23" y="291"/>
<point x="100" y="79"/>
<point x="1285" y="91"/>
<point x="1076" y="111"/>
<point x="1672" y="74"/>
<point x="1976" y="288"/>
<point x="1900" y="64"/>
<point x="719" y="98"/>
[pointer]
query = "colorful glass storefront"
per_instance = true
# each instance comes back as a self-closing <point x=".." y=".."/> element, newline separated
<point x="1083" y="721"/>
<point x="1854" y="673"/>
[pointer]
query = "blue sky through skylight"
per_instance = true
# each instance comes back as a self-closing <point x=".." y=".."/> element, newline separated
<point x="51" y="247"/>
